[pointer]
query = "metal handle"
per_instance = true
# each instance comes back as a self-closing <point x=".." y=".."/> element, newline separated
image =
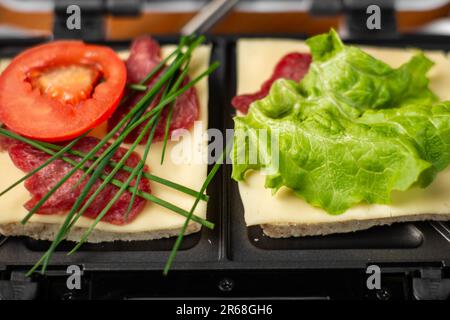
<point x="208" y="16"/>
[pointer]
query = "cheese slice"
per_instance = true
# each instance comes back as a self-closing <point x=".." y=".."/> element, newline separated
<point x="256" y="60"/>
<point x="191" y="173"/>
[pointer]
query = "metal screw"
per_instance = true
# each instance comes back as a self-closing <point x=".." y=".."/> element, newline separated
<point x="383" y="294"/>
<point x="67" y="296"/>
<point x="226" y="285"/>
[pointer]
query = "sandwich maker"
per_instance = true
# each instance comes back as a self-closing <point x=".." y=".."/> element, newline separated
<point x="234" y="261"/>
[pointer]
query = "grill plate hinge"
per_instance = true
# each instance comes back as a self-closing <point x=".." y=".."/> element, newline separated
<point x="431" y="285"/>
<point x="356" y="14"/>
<point x="92" y="14"/>
<point x="19" y="287"/>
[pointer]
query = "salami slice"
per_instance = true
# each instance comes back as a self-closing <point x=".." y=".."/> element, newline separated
<point x="5" y="143"/>
<point x="27" y="158"/>
<point x="292" y="66"/>
<point x="145" y="54"/>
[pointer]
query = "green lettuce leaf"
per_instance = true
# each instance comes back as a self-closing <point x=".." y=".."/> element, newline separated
<point x="352" y="131"/>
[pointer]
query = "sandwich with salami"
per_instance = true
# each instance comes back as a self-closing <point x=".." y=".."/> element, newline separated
<point x="86" y="146"/>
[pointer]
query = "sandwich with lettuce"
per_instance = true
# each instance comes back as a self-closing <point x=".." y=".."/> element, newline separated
<point x="346" y="147"/>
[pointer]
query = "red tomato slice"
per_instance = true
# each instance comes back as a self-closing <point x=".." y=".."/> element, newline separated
<point x="59" y="90"/>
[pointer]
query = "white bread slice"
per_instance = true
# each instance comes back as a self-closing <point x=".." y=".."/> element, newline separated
<point x="48" y="231"/>
<point x="320" y="229"/>
<point x="284" y="214"/>
<point x="154" y="222"/>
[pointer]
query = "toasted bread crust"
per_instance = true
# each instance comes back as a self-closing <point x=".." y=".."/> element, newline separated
<point x="301" y="230"/>
<point x="46" y="231"/>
